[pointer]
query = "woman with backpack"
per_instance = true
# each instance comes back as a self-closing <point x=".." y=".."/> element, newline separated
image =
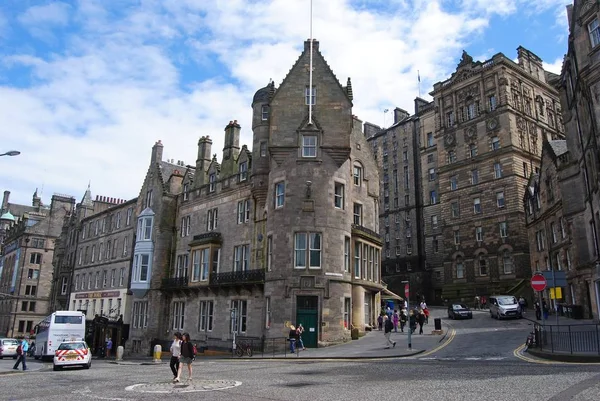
<point x="187" y="357"/>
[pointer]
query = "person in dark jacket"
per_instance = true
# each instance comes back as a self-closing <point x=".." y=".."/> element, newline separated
<point x="421" y="321"/>
<point x="403" y="320"/>
<point x="412" y="321"/>
<point x="388" y="326"/>
<point x="187" y="357"/>
<point x="293" y="337"/>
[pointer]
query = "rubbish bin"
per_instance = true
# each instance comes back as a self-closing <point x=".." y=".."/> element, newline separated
<point x="577" y="311"/>
<point x="354" y="333"/>
<point x="437" y="323"/>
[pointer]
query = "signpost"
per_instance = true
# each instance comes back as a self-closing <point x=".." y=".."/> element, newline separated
<point x="538" y="283"/>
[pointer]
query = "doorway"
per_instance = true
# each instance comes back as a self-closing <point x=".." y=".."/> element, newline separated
<point x="307" y="313"/>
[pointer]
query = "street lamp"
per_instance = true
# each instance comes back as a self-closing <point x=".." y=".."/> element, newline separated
<point x="407" y="295"/>
<point x="11" y="153"/>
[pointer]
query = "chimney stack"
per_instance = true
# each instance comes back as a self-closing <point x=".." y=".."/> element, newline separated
<point x="157" y="152"/>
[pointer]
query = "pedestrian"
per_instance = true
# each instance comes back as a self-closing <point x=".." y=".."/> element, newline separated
<point x="538" y="310"/>
<point x="477" y="302"/>
<point x="412" y="321"/>
<point x="421" y="321"/>
<point x="426" y="312"/>
<point x="545" y="309"/>
<point x="109" y="345"/>
<point x="175" y="354"/>
<point x="186" y="358"/>
<point x="380" y="322"/>
<point x="21" y="353"/>
<point x="403" y="319"/>
<point x="395" y="319"/>
<point x="423" y="305"/>
<point x="299" y="331"/>
<point x="388" y="326"/>
<point x="292" y="338"/>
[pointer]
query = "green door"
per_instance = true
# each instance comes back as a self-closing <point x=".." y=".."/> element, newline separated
<point x="308" y="314"/>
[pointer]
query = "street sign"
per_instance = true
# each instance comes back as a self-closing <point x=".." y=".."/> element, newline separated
<point x="538" y="282"/>
<point x="406" y="290"/>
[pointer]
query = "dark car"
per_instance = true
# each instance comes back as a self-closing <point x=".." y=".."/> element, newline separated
<point x="459" y="311"/>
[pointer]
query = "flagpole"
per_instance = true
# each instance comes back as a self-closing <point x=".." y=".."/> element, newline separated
<point x="310" y="72"/>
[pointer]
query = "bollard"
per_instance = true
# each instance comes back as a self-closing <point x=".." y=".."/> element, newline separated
<point x="157" y="353"/>
<point x="437" y="323"/>
<point x="120" y="351"/>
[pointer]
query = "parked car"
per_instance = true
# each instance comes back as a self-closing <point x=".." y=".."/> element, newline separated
<point x="8" y="347"/>
<point x="502" y="306"/>
<point x="72" y="353"/>
<point x="459" y="311"/>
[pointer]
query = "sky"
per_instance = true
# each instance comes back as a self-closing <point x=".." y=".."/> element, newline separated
<point x="88" y="86"/>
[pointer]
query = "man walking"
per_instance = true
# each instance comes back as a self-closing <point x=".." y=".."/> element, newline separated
<point x="388" y="327"/>
<point x="21" y="352"/>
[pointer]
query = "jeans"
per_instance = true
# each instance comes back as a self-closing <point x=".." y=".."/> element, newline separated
<point x="21" y="359"/>
<point x="292" y="345"/>
<point x="174" y="364"/>
<point x="300" y="342"/>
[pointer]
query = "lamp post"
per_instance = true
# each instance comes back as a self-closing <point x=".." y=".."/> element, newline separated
<point x="11" y="153"/>
<point x="407" y="295"/>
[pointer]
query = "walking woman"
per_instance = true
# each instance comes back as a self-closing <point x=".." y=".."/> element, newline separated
<point x="175" y="354"/>
<point x="187" y="357"/>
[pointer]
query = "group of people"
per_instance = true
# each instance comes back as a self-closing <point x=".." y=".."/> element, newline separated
<point x="295" y="338"/>
<point x="182" y="353"/>
<point x="389" y="321"/>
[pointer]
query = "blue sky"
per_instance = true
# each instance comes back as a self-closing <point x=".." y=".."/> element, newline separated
<point x="87" y="86"/>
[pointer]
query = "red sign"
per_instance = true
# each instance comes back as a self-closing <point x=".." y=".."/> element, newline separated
<point x="538" y="282"/>
<point x="406" y="290"/>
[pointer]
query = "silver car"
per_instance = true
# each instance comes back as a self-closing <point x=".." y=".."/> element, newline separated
<point x="8" y="347"/>
<point x="504" y="306"/>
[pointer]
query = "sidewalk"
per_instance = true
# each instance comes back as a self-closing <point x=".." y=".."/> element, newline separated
<point x="6" y="366"/>
<point x="371" y="345"/>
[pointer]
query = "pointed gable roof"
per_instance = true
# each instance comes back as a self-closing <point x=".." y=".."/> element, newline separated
<point x="87" y="198"/>
<point x="317" y="53"/>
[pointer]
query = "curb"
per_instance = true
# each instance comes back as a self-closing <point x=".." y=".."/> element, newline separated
<point x="576" y="358"/>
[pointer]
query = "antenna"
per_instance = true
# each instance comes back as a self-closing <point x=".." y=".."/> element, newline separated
<point x="310" y="68"/>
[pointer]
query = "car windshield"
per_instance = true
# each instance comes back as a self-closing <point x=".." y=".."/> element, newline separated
<point x="507" y="301"/>
<point x="459" y="306"/>
<point x="72" y="346"/>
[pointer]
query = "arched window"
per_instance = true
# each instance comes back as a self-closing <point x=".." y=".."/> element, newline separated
<point x="507" y="262"/>
<point x="460" y="268"/>
<point x="482" y="263"/>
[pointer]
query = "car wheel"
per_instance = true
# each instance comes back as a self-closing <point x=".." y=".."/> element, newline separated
<point x="56" y="368"/>
<point x="87" y="365"/>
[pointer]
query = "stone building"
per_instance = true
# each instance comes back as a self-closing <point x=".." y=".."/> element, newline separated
<point x="284" y="233"/>
<point x="491" y="119"/>
<point x="550" y="244"/>
<point x="26" y="255"/>
<point x="579" y="88"/>
<point x="397" y="152"/>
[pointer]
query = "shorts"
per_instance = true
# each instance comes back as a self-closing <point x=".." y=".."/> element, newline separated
<point x="186" y="360"/>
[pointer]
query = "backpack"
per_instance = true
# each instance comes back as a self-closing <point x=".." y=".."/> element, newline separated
<point x="20" y="350"/>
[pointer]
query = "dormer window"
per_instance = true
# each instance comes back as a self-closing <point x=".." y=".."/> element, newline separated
<point x="243" y="171"/>
<point x="309" y="146"/>
<point x="310" y="96"/>
<point x="212" y="182"/>
<point x="264" y="112"/>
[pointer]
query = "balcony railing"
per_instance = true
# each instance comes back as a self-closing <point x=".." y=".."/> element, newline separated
<point x="174" y="282"/>
<point x="239" y="277"/>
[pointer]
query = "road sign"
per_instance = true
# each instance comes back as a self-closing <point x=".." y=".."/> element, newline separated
<point x="538" y="282"/>
<point x="406" y="290"/>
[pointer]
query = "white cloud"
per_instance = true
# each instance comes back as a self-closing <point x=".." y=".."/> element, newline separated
<point x="554" y="67"/>
<point x="96" y="107"/>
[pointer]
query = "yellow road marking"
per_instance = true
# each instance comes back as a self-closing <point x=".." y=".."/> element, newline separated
<point x="439" y="347"/>
<point x="519" y="354"/>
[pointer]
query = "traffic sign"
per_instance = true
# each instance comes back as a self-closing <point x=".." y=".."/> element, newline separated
<point x="538" y="282"/>
<point x="406" y="290"/>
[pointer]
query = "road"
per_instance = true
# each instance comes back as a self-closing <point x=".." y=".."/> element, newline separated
<point x="476" y="363"/>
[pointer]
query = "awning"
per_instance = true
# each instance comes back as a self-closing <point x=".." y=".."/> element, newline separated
<point x="387" y="294"/>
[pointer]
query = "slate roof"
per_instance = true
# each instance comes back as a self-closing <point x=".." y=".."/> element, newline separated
<point x="559" y="147"/>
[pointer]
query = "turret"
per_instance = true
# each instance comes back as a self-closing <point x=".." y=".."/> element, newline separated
<point x="231" y="150"/>
<point x="261" y="115"/>
<point x="203" y="161"/>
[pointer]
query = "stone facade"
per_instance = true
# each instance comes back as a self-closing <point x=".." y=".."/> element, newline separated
<point x="490" y="121"/>
<point x="27" y="255"/>
<point x="579" y="87"/>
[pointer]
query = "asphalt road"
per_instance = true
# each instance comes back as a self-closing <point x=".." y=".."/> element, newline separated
<point x="477" y="363"/>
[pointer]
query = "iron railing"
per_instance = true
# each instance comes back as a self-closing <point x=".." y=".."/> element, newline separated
<point x="571" y="339"/>
<point x="238" y="277"/>
<point x="265" y="347"/>
<point x="174" y="282"/>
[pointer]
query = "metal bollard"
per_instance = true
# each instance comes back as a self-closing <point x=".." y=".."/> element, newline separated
<point x="157" y="353"/>
<point x="120" y="351"/>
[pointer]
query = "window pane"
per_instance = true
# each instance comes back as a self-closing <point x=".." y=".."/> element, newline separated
<point x="300" y="250"/>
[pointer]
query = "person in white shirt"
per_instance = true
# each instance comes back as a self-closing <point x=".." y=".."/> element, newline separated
<point x="175" y="354"/>
<point x="423" y="305"/>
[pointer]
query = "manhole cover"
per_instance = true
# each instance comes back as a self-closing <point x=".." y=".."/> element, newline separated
<point x="184" y="387"/>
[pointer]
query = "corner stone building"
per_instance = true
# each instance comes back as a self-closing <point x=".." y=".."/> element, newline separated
<point x="286" y="233"/>
<point x="490" y="121"/>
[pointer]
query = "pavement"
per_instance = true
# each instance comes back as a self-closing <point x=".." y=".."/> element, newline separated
<point x="6" y="366"/>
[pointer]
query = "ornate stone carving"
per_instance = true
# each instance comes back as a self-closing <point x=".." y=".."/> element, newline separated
<point x="492" y="124"/>
<point x="466" y="60"/>
<point x="450" y="139"/>
<point x="471" y="133"/>
<point x="521" y="124"/>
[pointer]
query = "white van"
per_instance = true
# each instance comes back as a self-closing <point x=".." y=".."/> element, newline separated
<point x="504" y="306"/>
